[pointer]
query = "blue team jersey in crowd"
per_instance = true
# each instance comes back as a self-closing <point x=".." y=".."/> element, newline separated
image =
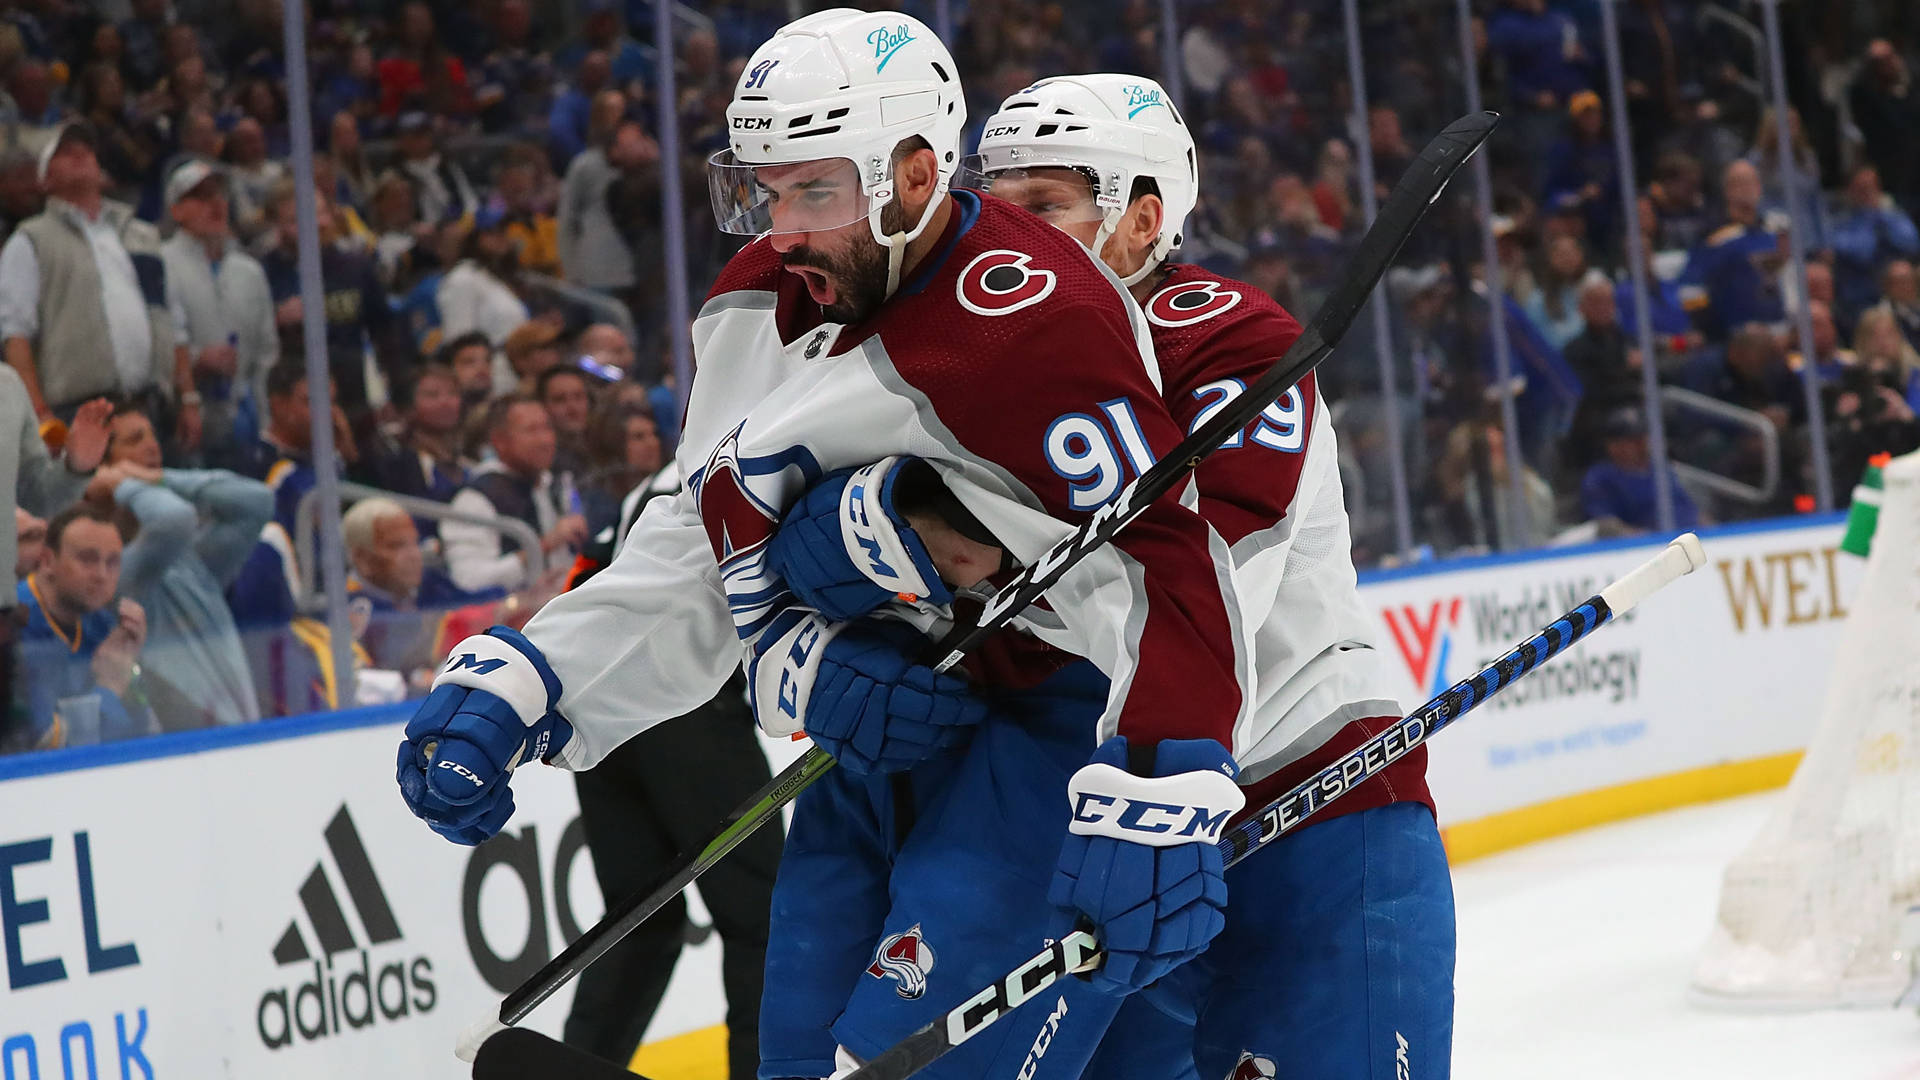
<point x="1727" y="283"/>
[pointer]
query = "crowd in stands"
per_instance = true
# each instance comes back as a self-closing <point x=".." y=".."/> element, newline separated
<point x="489" y="207"/>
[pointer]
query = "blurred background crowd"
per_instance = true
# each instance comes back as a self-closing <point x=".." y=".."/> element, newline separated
<point x="492" y="210"/>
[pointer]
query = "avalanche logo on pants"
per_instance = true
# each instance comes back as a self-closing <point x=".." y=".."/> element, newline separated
<point x="906" y="957"/>
<point x="1253" y="1068"/>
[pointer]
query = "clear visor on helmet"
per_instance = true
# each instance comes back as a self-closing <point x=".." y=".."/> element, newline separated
<point x="1056" y="194"/>
<point x="806" y="196"/>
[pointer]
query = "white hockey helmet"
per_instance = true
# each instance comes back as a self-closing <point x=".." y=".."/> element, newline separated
<point x="839" y="89"/>
<point x="1114" y="128"/>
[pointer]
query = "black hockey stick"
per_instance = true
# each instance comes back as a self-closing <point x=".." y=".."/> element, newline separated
<point x="1422" y="183"/>
<point x="520" y="1054"/>
<point x="1079" y="951"/>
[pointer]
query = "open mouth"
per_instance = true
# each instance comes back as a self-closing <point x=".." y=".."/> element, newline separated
<point x="819" y="285"/>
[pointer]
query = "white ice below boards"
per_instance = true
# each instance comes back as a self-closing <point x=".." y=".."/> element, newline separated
<point x="1575" y="956"/>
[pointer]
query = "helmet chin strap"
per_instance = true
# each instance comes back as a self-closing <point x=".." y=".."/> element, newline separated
<point x="896" y="243"/>
<point x="1110" y="225"/>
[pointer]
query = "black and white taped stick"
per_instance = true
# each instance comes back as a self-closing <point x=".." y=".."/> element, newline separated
<point x="1080" y="952"/>
<point x="1422" y="183"/>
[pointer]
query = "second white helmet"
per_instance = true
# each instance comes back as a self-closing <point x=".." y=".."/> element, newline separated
<point x="1115" y="128"/>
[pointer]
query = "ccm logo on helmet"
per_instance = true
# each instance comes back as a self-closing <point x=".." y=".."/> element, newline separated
<point x="1002" y="282"/>
<point x="752" y="123"/>
<point x="1189" y="303"/>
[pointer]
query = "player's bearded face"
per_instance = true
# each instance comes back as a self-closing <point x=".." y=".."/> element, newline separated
<point x="846" y="269"/>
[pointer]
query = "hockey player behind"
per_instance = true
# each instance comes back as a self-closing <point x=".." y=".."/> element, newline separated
<point x="880" y="315"/>
<point x="1337" y="958"/>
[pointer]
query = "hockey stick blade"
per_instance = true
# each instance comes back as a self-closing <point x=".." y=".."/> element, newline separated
<point x="519" y="1054"/>
<point x="636" y="909"/>
<point x="1423" y="182"/>
<point x="1079" y="951"/>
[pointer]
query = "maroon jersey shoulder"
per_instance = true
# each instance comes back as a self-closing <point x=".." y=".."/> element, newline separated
<point x="1205" y="325"/>
<point x="755" y="268"/>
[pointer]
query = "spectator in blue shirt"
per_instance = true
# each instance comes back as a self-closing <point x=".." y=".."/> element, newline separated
<point x="1541" y="52"/>
<point x="1619" y="492"/>
<point x="605" y="31"/>
<point x="1732" y="278"/>
<point x="572" y="112"/>
<point x="80" y="651"/>
<point x="1872" y="230"/>
<point x="1582" y="172"/>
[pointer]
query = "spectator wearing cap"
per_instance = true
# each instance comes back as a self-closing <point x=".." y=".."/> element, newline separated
<point x="1732" y="278"/>
<point x="1618" y="492"/>
<point x="359" y="319"/>
<point x="440" y="185"/>
<point x="196" y="529"/>
<point x="477" y="293"/>
<point x="83" y="301"/>
<point x="593" y="248"/>
<point x="517" y="484"/>
<point x="1872" y="231"/>
<point x="223" y="298"/>
<point x="1583" y="176"/>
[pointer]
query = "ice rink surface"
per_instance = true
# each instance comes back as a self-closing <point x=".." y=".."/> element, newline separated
<point x="1575" y="954"/>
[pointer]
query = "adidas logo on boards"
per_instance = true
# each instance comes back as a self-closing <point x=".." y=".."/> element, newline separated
<point x="344" y="998"/>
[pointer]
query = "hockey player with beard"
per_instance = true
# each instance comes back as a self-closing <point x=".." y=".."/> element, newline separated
<point x="880" y="316"/>
<point x="1337" y="957"/>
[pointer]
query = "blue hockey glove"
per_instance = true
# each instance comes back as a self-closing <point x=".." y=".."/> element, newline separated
<point x="856" y="689"/>
<point x="845" y="548"/>
<point x="491" y="709"/>
<point x="1140" y="860"/>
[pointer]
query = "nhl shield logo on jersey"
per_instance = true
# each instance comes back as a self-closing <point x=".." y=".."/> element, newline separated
<point x="907" y="957"/>
<point x="1253" y="1067"/>
<point x="1190" y="302"/>
<point x="1001" y="282"/>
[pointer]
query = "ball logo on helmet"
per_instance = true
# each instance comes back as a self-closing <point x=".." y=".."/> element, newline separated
<point x="1190" y="302"/>
<point x="887" y="41"/>
<point x="1001" y="282"/>
<point x="1142" y="98"/>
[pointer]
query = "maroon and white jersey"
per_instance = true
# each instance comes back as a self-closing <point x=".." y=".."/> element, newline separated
<point x="1273" y="494"/>
<point x="1020" y="370"/>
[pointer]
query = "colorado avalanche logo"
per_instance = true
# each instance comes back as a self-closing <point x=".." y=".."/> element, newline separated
<point x="739" y="524"/>
<point x="908" y="958"/>
<point x="1253" y="1068"/>
<point x="1190" y="302"/>
<point x="1002" y="282"/>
